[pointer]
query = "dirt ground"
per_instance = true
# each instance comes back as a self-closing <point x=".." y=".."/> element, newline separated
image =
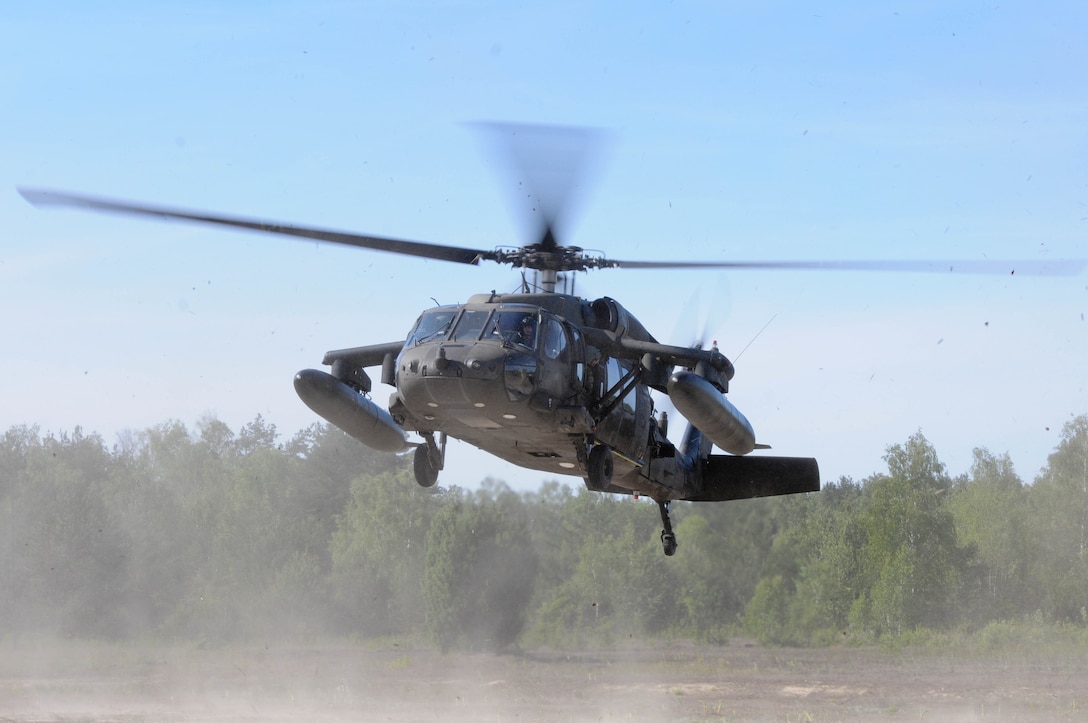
<point x="395" y="682"/>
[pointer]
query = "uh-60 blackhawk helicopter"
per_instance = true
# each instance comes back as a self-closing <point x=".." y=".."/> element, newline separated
<point x="548" y="380"/>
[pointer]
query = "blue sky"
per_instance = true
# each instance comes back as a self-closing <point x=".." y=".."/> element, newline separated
<point x="736" y="131"/>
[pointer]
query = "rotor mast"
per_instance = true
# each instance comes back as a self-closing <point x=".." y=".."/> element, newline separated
<point x="548" y="279"/>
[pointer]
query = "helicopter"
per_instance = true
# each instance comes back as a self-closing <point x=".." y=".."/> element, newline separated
<point x="545" y="379"/>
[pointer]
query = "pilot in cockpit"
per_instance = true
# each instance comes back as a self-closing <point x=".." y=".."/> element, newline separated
<point x="526" y="331"/>
<point x="515" y="327"/>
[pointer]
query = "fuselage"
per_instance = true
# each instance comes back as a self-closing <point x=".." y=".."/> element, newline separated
<point x="555" y="383"/>
<point x="516" y="376"/>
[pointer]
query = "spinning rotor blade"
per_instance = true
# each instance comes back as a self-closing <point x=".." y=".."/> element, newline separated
<point x="1031" y="267"/>
<point x="547" y="167"/>
<point x="548" y="253"/>
<point x="47" y="198"/>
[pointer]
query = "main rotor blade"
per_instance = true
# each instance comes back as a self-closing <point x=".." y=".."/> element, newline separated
<point x="43" y="198"/>
<point x="1024" y="267"/>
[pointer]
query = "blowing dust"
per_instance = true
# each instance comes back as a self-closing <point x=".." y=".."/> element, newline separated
<point x="73" y="681"/>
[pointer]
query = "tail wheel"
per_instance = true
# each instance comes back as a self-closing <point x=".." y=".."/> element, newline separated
<point x="668" y="543"/>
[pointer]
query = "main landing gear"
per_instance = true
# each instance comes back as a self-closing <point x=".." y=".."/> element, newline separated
<point x="668" y="537"/>
<point x="429" y="460"/>
<point x="600" y="468"/>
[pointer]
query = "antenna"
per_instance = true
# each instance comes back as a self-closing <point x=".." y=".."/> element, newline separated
<point x="738" y="356"/>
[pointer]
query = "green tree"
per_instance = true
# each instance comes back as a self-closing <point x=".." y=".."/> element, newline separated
<point x="258" y="434"/>
<point x="724" y="554"/>
<point x="1060" y="520"/>
<point x="16" y="447"/>
<point x="480" y="570"/>
<point x="911" y="565"/>
<point x="67" y="549"/>
<point x="378" y="555"/>
<point x="990" y="512"/>
<point x="614" y="580"/>
<point x="808" y="588"/>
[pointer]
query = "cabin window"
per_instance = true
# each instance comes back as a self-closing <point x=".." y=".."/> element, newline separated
<point x="470" y="326"/>
<point x="579" y="354"/>
<point x="616" y="372"/>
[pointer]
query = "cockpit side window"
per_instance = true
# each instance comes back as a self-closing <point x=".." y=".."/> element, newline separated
<point x="432" y="325"/>
<point x="470" y="325"/>
<point x="555" y="341"/>
<point x="513" y="327"/>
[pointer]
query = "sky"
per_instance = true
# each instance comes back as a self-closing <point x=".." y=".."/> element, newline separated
<point x="736" y="131"/>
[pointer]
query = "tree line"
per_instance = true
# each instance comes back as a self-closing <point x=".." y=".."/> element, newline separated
<point x="210" y="535"/>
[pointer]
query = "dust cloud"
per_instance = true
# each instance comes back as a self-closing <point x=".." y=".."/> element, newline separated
<point x="393" y="681"/>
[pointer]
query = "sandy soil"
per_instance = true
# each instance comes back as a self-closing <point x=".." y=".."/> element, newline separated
<point x="390" y="682"/>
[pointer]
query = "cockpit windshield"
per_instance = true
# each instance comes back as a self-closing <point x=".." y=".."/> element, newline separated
<point x="511" y="327"/>
<point x="432" y="325"/>
<point x="470" y="325"/>
<point x="514" y="327"/>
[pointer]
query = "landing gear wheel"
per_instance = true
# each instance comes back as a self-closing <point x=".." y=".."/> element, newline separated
<point x="425" y="470"/>
<point x="668" y="542"/>
<point x="600" y="467"/>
